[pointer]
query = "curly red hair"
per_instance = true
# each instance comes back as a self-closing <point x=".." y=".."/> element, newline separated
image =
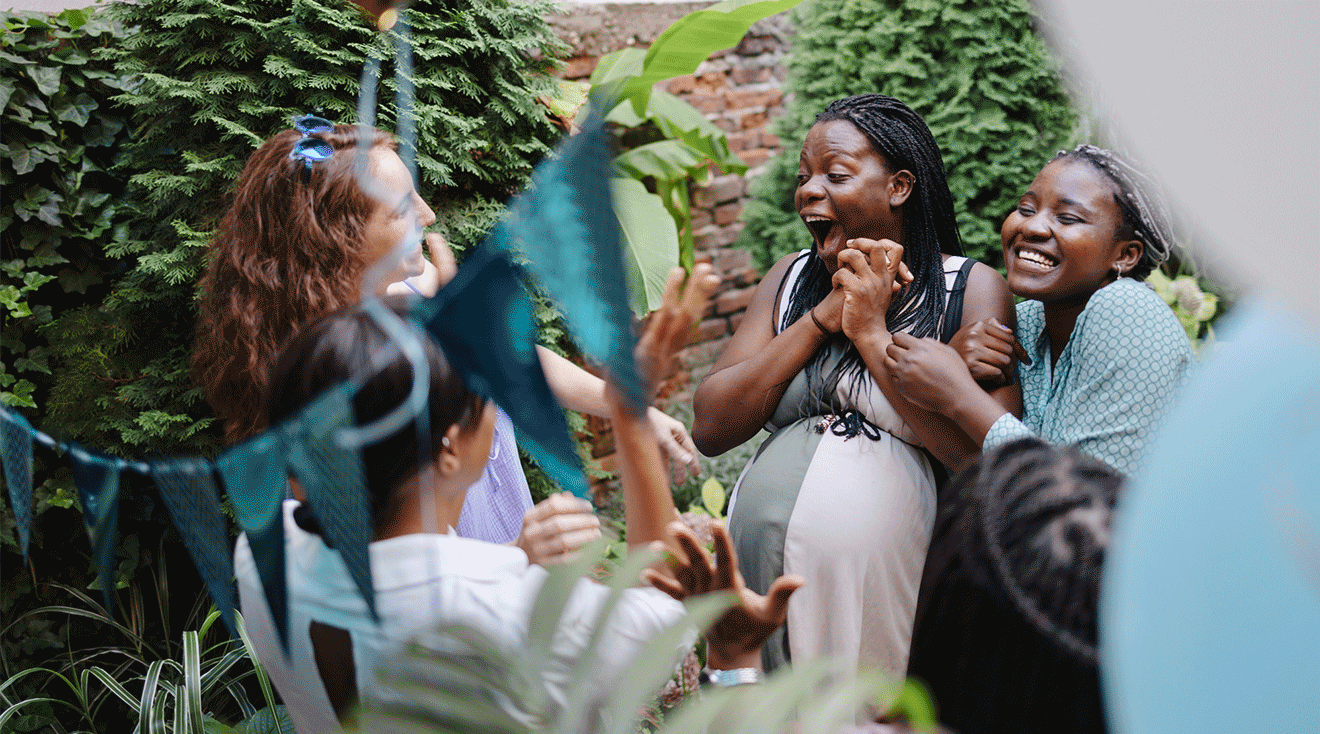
<point x="288" y="250"/>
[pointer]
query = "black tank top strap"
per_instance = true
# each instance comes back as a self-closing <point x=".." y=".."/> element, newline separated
<point x="953" y="308"/>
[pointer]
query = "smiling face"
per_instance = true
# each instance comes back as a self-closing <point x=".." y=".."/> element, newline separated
<point x="399" y="214"/>
<point x="1062" y="243"/>
<point x="845" y="190"/>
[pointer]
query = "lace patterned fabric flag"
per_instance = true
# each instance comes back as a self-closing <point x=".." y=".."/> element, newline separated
<point x="565" y="226"/>
<point x="332" y="476"/>
<point x="256" y="481"/>
<point x="16" y="455"/>
<point x="187" y="486"/>
<point x="97" y="478"/>
<point x="483" y="322"/>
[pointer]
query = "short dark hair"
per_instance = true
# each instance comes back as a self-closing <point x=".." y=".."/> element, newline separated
<point x="344" y="345"/>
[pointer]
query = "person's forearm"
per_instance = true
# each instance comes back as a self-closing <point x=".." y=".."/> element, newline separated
<point x="574" y="387"/>
<point x="648" y="504"/>
<point x="731" y="404"/>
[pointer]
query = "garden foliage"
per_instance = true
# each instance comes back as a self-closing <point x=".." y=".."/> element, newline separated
<point x="974" y="69"/>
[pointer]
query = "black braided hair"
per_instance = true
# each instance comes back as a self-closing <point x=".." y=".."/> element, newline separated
<point x="1032" y="523"/>
<point x="901" y="137"/>
<point x="1145" y="215"/>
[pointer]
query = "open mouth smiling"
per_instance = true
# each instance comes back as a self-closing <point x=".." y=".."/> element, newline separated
<point x="1037" y="258"/>
<point x="819" y="226"/>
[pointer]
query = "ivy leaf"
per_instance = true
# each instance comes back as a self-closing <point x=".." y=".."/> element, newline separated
<point x="50" y="211"/>
<point x="22" y="160"/>
<point x="47" y="79"/>
<point x="6" y="91"/>
<point x="78" y="112"/>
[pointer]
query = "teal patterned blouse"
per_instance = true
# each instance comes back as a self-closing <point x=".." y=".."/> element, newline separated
<point x="1113" y="383"/>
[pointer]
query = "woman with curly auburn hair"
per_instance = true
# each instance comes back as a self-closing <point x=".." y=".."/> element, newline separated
<point x="302" y="238"/>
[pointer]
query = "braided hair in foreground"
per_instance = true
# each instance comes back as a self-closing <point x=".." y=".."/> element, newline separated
<point x="902" y="138"/>
<point x="1145" y="214"/>
<point x="1033" y="520"/>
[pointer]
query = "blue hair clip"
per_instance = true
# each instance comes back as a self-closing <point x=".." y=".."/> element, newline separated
<point x="308" y="149"/>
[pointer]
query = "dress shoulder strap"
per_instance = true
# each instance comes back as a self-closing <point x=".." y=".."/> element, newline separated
<point x="785" y="291"/>
<point x="953" y="307"/>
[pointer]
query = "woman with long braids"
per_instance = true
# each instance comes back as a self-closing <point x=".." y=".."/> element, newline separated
<point x="298" y="241"/>
<point x="1101" y="356"/>
<point x="842" y="491"/>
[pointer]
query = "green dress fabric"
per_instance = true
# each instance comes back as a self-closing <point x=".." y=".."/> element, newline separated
<point x="1114" y="382"/>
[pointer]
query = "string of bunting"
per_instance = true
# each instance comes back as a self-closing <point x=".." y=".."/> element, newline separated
<point x="483" y="320"/>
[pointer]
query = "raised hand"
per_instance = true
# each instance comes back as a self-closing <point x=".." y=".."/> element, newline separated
<point x="669" y="327"/>
<point x="556" y="528"/>
<point x="988" y="348"/>
<point x="736" y="636"/>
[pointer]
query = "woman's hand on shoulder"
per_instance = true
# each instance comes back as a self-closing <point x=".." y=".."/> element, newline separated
<point x="989" y="348"/>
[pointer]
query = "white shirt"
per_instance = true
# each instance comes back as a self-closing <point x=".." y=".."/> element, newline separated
<point x="423" y="581"/>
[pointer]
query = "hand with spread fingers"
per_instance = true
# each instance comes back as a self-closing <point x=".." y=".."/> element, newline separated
<point x="556" y="528"/>
<point x="669" y="327"/>
<point x="735" y="639"/>
<point x="989" y="348"/>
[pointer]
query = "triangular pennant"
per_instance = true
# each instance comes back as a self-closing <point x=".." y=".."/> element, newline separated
<point x="483" y="322"/>
<point x="16" y="455"/>
<point x="187" y="486"/>
<point x="566" y="227"/>
<point x="335" y="483"/>
<point x="97" y="478"/>
<point x="256" y="481"/>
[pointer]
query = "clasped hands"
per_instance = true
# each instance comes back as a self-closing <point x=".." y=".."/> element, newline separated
<point x="869" y="274"/>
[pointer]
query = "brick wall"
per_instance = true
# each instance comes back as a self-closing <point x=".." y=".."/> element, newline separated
<point x="740" y="91"/>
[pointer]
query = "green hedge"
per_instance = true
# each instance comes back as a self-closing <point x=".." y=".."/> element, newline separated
<point x="974" y="69"/>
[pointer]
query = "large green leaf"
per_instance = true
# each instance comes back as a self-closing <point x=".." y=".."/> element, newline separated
<point x="682" y="47"/>
<point x="650" y="242"/>
<point x="664" y="159"/>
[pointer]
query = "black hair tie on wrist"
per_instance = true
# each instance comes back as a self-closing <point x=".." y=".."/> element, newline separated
<point x="818" y="324"/>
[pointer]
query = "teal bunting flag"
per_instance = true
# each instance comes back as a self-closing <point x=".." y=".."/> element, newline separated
<point x="96" y="476"/>
<point x="256" y="481"/>
<point x="483" y="321"/>
<point x="565" y="226"/>
<point x="16" y="454"/>
<point x="332" y="477"/>
<point x="188" y="488"/>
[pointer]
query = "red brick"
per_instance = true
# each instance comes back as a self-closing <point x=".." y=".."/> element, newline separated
<point x="742" y="99"/>
<point x="727" y="213"/>
<point x="735" y="300"/>
<point x="711" y="329"/>
<point x="750" y="75"/>
<point x="718" y="190"/>
<point x="682" y="84"/>
<point x="744" y="277"/>
<point x="706" y="237"/>
<point x="700" y="218"/>
<point x="754" y="158"/>
<point x="707" y="104"/>
<point x="730" y="260"/>
<point x="714" y="83"/>
<point x="579" y="68"/>
<point x="744" y="140"/>
<point x="770" y="140"/>
<point x="753" y="121"/>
